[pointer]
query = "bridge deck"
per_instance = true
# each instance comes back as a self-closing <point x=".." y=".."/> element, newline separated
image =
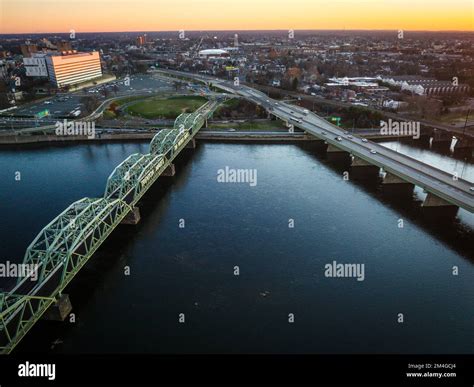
<point x="433" y="180"/>
<point x="65" y="245"/>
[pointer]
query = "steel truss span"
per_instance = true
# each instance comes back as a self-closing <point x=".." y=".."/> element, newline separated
<point x="65" y="245"/>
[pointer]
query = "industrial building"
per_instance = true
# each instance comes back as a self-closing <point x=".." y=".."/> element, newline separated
<point x="425" y="86"/>
<point x="213" y="54"/>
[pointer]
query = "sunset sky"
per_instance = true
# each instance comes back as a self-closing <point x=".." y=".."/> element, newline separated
<point x="29" y="16"/>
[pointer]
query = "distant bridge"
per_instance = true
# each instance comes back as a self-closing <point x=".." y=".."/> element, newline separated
<point x="65" y="245"/>
<point x="446" y="193"/>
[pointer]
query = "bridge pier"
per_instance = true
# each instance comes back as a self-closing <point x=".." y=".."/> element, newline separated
<point x="465" y="148"/>
<point x="394" y="185"/>
<point x="170" y="171"/>
<point x="362" y="169"/>
<point x="337" y="155"/>
<point x="441" y="140"/>
<point x="132" y="218"/>
<point x="464" y="143"/>
<point x="191" y="144"/>
<point x="59" y="310"/>
<point x="436" y="206"/>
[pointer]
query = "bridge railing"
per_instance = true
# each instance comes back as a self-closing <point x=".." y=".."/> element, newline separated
<point x="64" y="246"/>
<point x="59" y="251"/>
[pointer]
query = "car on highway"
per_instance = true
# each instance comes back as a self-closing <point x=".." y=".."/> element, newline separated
<point x="338" y="138"/>
<point x="365" y="140"/>
<point x="306" y="112"/>
<point x="323" y="133"/>
<point x="373" y="151"/>
<point x="349" y="136"/>
<point x="471" y="189"/>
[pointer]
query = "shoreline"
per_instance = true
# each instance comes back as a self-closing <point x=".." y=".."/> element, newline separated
<point x="205" y="135"/>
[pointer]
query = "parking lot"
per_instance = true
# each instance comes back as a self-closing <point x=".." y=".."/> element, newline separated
<point x="58" y="106"/>
<point x="136" y="84"/>
<point x="68" y="104"/>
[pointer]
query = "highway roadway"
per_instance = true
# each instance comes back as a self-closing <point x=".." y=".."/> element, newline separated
<point x="458" y="192"/>
<point x="453" y="129"/>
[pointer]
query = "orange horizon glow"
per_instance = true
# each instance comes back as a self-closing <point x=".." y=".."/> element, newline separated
<point x="62" y="16"/>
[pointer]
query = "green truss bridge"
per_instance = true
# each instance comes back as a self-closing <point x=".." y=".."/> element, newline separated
<point x="65" y="245"/>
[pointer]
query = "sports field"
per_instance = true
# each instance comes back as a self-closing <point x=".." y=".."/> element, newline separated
<point x="166" y="108"/>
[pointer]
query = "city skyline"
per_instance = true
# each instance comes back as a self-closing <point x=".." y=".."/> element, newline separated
<point x="21" y="16"/>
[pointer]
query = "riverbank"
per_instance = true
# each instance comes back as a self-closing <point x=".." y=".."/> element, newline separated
<point x="203" y="135"/>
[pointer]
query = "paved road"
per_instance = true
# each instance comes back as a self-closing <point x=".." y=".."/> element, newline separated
<point x="433" y="180"/>
<point x="458" y="129"/>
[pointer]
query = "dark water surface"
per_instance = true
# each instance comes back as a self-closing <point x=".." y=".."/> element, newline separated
<point x="190" y="270"/>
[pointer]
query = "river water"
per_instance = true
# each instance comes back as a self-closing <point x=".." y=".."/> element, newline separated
<point x="131" y="295"/>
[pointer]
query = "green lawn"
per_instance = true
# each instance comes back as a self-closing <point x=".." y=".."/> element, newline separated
<point x="158" y="107"/>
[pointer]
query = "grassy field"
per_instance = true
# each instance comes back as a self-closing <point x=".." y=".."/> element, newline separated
<point x="168" y="108"/>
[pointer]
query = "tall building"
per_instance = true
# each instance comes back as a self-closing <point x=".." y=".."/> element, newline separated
<point x="36" y="65"/>
<point x="73" y="67"/>
<point x="141" y="40"/>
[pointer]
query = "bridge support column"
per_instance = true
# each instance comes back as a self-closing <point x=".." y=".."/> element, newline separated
<point x="465" y="148"/>
<point x="191" y="144"/>
<point x="435" y="206"/>
<point x="133" y="217"/>
<point x="337" y="155"/>
<point x="464" y="143"/>
<point x="59" y="310"/>
<point x="393" y="185"/>
<point x="170" y="171"/>
<point x="441" y="140"/>
<point x="362" y="169"/>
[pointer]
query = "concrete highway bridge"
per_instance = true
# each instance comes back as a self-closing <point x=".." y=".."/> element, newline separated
<point x="65" y="245"/>
<point x="441" y="132"/>
<point x="446" y="193"/>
